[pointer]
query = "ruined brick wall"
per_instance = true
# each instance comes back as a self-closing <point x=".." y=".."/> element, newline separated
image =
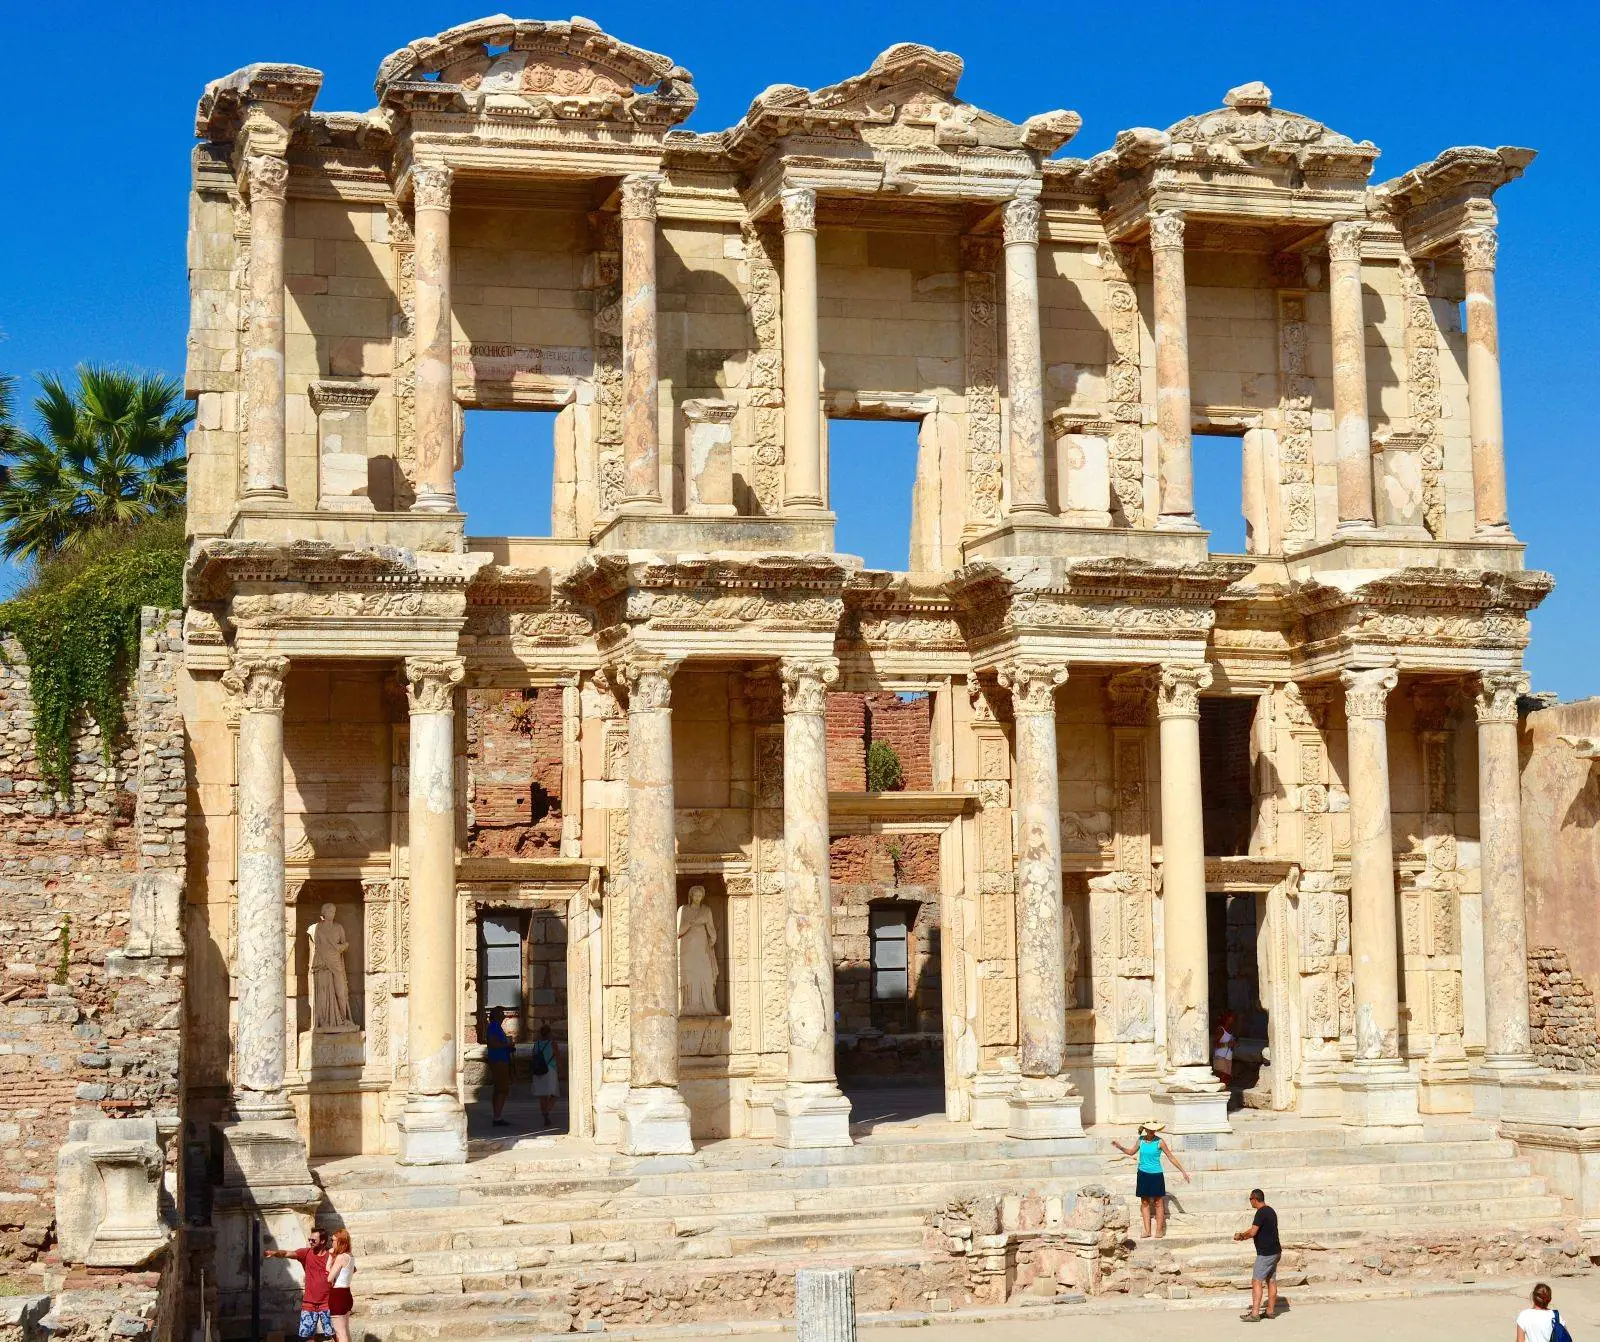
<point x="847" y="743"/>
<point x="1561" y="1013"/>
<point x="91" y="886"/>
<point x="514" y="751"/>
<point x="856" y="721"/>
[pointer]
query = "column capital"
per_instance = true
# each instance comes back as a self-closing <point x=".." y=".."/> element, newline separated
<point x="267" y="177"/>
<point x="806" y="681"/>
<point x="1478" y="247"/>
<point x="799" y="209"/>
<point x="430" y="185"/>
<point x="1498" y="692"/>
<point x="1178" y="688"/>
<point x="1344" y="240"/>
<point x="1128" y="698"/>
<point x="257" y="682"/>
<point x="1166" y="229"/>
<point x="431" y="683"/>
<point x="639" y="193"/>
<point x="1021" y="221"/>
<point x="648" y="680"/>
<point x="1366" y="691"/>
<point x="1033" y="684"/>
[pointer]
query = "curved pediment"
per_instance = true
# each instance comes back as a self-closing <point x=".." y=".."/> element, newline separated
<point x="1248" y="127"/>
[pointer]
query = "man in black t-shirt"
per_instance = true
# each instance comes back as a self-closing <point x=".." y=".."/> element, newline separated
<point x="1264" y="1231"/>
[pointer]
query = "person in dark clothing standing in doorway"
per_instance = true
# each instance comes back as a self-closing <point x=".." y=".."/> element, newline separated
<point x="1264" y="1231"/>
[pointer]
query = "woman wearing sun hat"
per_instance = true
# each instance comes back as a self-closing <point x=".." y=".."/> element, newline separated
<point x="1151" y="1185"/>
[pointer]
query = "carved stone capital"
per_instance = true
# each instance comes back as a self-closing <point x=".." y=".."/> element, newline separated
<point x="648" y="681"/>
<point x="256" y="683"/>
<point x="1344" y="240"/>
<point x="805" y="683"/>
<point x="1498" y="692"/>
<point x="431" y="683"/>
<point x="1166" y="228"/>
<point x="639" y="195"/>
<point x="1032" y="684"/>
<point x="799" y="209"/>
<point x="430" y="186"/>
<point x="1478" y="248"/>
<point x="1178" y="690"/>
<point x="1021" y="219"/>
<point x="268" y="177"/>
<point x="1366" y="691"/>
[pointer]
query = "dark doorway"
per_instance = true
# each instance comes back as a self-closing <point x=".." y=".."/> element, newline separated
<point x="1235" y="980"/>
<point x="1226" y="795"/>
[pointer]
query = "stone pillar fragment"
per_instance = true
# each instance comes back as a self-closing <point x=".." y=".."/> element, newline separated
<point x="641" y="430"/>
<point x="1485" y="419"/>
<point x="708" y="449"/>
<point x="811" y="1112"/>
<point x="802" y="394"/>
<point x="1380" y="1091"/>
<point x="655" y="1119"/>
<point x="825" y="1304"/>
<point x="1352" y="433"/>
<point x="433" y="1125"/>
<point x="1044" y="1104"/>
<point x="343" y="474"/>
<point x="1024" y="361"/>
<point x="265" y="469"/>
<point x="1190" y="1096"/>
<point x="435" y="394"/>
<point x="1174" y="413"/>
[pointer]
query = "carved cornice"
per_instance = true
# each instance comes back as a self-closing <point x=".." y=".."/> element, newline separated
<point x="1178" y="689"/>
<point x="639" y="194"/>
<point x="1344" y="240"/>
<point x="1427" y="607"/>
<point x="805" y="683"/>
<point x="1478" y="248"/>
<point x="256" y="683"/>
<point x="1498" y="692"/>
<point x="288" y="90"/>
<point x="1033" y="685"/>
<point x="1020" y="221"/>
<point x="799" y="209"/>
<point x="1366" y="691"/>
<point x="431" y="683"/>
<point x="1433" y="204"/>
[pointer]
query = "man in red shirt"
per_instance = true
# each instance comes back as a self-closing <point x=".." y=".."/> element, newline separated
<point x="315" y="1321"/>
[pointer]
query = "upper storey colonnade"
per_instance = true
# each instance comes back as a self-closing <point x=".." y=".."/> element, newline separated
<point x="502" y="106"/>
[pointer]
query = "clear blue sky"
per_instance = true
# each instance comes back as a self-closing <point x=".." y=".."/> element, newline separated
<point x="95" y="141"/>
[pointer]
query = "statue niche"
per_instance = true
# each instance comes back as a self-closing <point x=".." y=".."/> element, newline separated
<point x="698" y="972"/>
<point x="330" y="979"/>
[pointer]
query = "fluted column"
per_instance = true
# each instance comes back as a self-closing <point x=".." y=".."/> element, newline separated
<point x="802" y="393"/>
<point x="1024" y="362"/>
<point x="1380" y="1092"/>
<point x="433" y="1125"/>
<point x="1505" y="934"/>
<point x="641" y="432"/>
<point x="1044" y="1105"/>
<point x="1174" y="413"/>
<point x="1485" y="419"/>
<point x="259" y="954"/>
<point x="811" y="1112"/>
<point x="265" y="471"/>
<point x="655" y="1119"/>
<point x="1352" y="434"/>
<point x="435" y="393"/>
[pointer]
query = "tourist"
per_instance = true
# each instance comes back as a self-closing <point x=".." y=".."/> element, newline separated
<point x="1264" y="1231"/>
<point x="1540" y="1323"/>
<point x="1151" y="1184"/>
<point x="498" y="1056"/>
<point x="315" y="1320"/>
<point x="341" y="1269"/>
<point x="546" y="1073"/>
<point x="1222" y="1050"/>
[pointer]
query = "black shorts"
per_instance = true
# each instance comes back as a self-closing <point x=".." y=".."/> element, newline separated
<point x="1150" y="1185"/>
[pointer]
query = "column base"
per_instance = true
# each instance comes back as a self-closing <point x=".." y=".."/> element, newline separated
<point x="264" y="500"/>
<point x="1191" y="1100"/>
<point x="990" y="1099"/>
<point x="433" y="501"/>
<point x="655" y="1122"/>
<point x="1490" y="1075"/>
<point x="811" y="1114"/>
<point x="1177" y="522"/>
<point x="265" y="1178"/>
<point x="1045" y="1107"/>
<point x="433" y="1131"/>
<point x="1492" y="531"/>
<point x="1380" y="1095"/>
<point x="1446" y="1087"/>
<point x="1358" y="527"/>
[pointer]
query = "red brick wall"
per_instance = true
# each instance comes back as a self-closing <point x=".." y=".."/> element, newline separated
<point x="855" y="721"/>
<point x="514" y="746"/>
<point x="847" y="743"/>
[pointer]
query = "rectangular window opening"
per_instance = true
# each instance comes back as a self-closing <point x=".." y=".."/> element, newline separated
<point x="507" y="475"/>
<point x="1219" y="490"/>
<point x="500" y="962"/>
<point x="1225" y="777"/>
<point x="872" y="476"/>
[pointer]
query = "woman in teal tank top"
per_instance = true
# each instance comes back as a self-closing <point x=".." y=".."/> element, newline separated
<point x="1151" y="1184"/>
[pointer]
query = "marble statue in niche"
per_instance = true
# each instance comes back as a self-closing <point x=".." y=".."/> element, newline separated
<point x="697" y="956"/>
<point x="330" y="982"/>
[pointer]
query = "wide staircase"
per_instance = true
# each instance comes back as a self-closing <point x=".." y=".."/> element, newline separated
<point x="491" y="1249"/>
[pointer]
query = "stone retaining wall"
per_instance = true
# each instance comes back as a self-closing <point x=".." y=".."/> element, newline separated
<point x="1561" y="1013"/>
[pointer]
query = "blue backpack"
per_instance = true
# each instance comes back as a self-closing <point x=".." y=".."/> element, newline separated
<point x="1558" y="1330"/>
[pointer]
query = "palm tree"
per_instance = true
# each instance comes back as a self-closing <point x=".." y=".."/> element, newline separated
<point x="109" y="453"/>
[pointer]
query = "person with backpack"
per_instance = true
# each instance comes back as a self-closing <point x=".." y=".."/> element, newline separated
<point x="546" y="1061"/>
<point x="1540" y="1323"/>
<point x="498" y="1057"/>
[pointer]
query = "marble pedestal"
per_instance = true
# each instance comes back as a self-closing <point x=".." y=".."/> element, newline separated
<point x="1380" y="1095"/>
<point x="655" y="1122"/>
<point x="811" y="1114"/>
<point x="1191" y="1103"/>
<point x="990" y="1099"/>
<point x="1446" y="1087"/>
<point x="1488" y="1080"/>
<point x="433" y="1131"/>
<point x="1044" y="1108"/>
<point x="264" y="1176"/>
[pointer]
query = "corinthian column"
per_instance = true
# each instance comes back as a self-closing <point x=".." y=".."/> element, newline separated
<point x="435" y="394"/>
<point x="1024" y="362"/>
<point x="811" y="1111"/>
<point x="1380" y="1092"/>
<point x="1190" y="1092"/>
<point x="655" y="1119"/>
<point x="259" y="1056"/>
<point x="1485" y="421"/>
<point x="1174" y="415"/>
<point x="433" y="1125"/>
<point x="802" y="393"/>
<point x="1045" y="1104"/>
<point x="1352" y="435"/>
<point x="1509" y="1046"/>
<point x="641" y="430"/>
<point x="265" y="479"/>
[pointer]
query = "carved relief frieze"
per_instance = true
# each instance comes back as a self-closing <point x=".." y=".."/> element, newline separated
<point x="985" y="474"/>
<point x="764" y="372"/>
